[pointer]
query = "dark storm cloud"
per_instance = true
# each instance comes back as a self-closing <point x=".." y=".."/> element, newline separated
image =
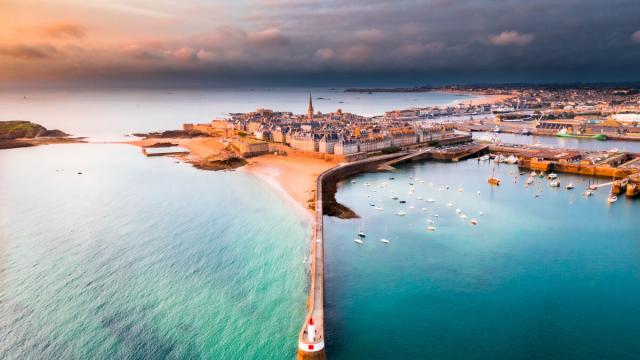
<point x="445" y="37"/>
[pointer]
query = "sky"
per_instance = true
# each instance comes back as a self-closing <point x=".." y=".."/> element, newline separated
<point x="281" y="42"/>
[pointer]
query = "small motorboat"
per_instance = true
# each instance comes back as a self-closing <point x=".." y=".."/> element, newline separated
<point x="450" y="204"/>
<point x="431" y="228"/>
<point x="401" y="213"/>
<point x="435" y="215"/>
<point x="588" y="192"/>
<point x="569" y="186"/>
<point x="494" y="181"/>
<point x="529" y="181"/>
<point x="353" y="181"/>
<point x="394" y="198"/>
<point x="403" y="201"/>
<point x="361" y="234"/>
<point x="379" y="208"/>
<point x="384" y="241"/>
<point x="533" y="174"/>
<point x="463" y="216"/>
<point x="554" y="183"/>
<point x="430" y="200"/>
<point x="446" y="187"/>
<point x="460" y="189"/>
<point x="358" y="241"/>
<point x="612" y="198"/>
<point x="474" y="222"/>
<point x="552" y="176"/>
<point x="481" y="213"/>
<point x="458" y="211"/>
<point x="593" y="187"/>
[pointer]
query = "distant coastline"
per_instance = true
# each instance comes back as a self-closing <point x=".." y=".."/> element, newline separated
<point x="481" y="96"/>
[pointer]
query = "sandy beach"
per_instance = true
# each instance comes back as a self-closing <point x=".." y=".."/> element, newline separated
<point x="482" y="98"/>
<point x="293" y="174"/>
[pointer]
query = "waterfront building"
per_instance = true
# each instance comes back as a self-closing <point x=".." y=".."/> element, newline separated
<point x="249" y="147"/>
<point x="345" y="147"/>
<point x="304" y="141"/>
<point x="327" y="143"/>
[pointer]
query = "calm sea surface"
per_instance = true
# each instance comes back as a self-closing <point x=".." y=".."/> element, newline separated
<point x="553" y="277"/>
<point x="144" y="258"/>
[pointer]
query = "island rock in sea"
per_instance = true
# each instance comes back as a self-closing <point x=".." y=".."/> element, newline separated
<point x="19" y="133"/>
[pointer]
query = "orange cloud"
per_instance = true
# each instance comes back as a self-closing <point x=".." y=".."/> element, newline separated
<point x="24" y="51"/>
<point x="510" y="38"/>
<point x="64" y="30"/>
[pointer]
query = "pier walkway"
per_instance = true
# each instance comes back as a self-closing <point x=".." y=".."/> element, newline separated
<point x="311" y="340"/>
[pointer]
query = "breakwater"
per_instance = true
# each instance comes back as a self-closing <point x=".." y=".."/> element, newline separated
<point x="311" y="340"/>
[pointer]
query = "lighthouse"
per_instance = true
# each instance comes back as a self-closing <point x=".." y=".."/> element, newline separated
<point x="311" y="330"/>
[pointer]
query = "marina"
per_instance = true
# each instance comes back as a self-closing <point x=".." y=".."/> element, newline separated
<point x="445" y="277"/>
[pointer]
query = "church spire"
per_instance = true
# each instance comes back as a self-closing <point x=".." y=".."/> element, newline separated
<point x="310" y="109"/>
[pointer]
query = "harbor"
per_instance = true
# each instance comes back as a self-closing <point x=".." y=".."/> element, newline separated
<point x="515" y="272"/>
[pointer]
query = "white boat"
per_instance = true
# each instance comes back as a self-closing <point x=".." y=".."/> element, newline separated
<point x="429" y="221"/>
<point x="460" y="189"/>
<point x="569" y="186"/>
<point x="367" y="184"/>
<point x="588" y="192"/>
<point x="511" y="160"/>
<point x="401" y="213"/>
<point x="358" y="241"/>
<point x="463" y="216"/>
<point x="484" y="158"/>
<point x="384" y="241"/>
<point x="529" y="181"/>
<point x="554" y="183"/>
<point x="533" y="174"/>
<point x="458" y="211"/>
<point x="379" y="208"/>
<point x="450" y="204"/>
<point x="430" y="200"/>
<point x="481" y="213"/>
<point x="435" y="215"/>
<point x="612" y="198"/>
<point x="478" y="192"/>
<point x="353" y="181"/>
<point x="361" y="233"/>
<point x="552" y="176"/>
<point x="474" y="221"/>
<point x="431" y="228"/>
<point x="419" y="197"/>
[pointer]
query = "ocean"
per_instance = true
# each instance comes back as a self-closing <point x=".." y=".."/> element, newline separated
<point x="106" y="254"/>
<point x="549" y="277"/>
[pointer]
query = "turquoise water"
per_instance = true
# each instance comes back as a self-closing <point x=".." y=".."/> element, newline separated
<point x="144" y="258"/>
<point x="553" y="277"/>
